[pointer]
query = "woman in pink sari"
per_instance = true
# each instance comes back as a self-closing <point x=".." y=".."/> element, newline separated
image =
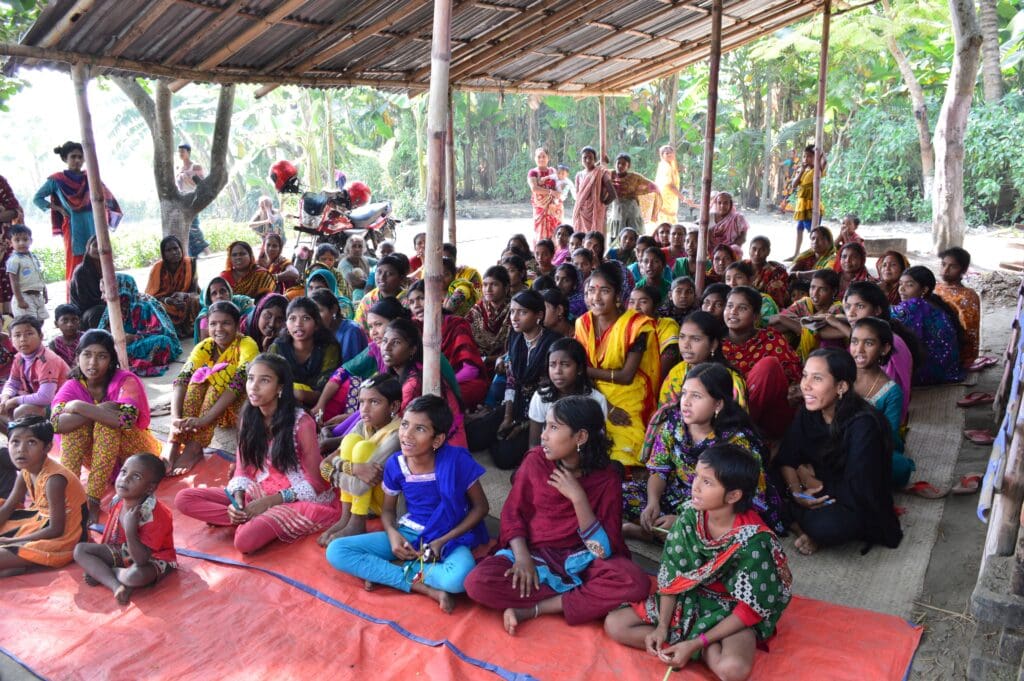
<point x="544" y="197"/>
<point x="594" y="191"/>
<point x="731" y="227"/>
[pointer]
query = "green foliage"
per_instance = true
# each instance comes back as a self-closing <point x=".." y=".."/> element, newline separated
<point x="993" y="164"/>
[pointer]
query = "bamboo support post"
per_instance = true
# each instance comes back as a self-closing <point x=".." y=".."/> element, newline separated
<point x="602" y="129"/>
<point x="449" y="166"/>
<point x="819" y="123"/>
<point x="99" y="213"/>
<point x="437" y="123"/>
<point x="714" y="61"/>
<point x="1004" y="519"/>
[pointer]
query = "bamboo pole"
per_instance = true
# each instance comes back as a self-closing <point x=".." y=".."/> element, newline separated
<point x="99" y="213"/>
<point x="449" y="166"/>
<point x="714" y="61"/>
<point x="437" y="115"/>
<point x="602" y="129"/>
<point x="819" y="123"/>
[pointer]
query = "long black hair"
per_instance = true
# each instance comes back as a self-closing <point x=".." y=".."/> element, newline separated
<point x="321" y="335"/>
<point x="578" y="354"/>
<point x="926" y="279"/>
<point x="717" y="381"/>
<point x="882" y="331"/>
<point x="102" y="338"/>
<point x="849" y="406"/>
<point x="254" y="435"/>
<point x="408" y="330"/>
<point x="712" y="327"/>
<point x="584" y="413"/>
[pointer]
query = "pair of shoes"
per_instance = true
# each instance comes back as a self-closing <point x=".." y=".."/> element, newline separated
<point x="973" y="399"/>
<point x="982" y="362"/>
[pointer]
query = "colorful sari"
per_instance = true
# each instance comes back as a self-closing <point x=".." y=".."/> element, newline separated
<point x="639" y="398"/>
<point x="672" y="386"/>
<point x="100" y="447"/>
<point x="731" y="231"/>
<point x="967" y="303"/>
<point x="255" y="283"/>
<point x="670" y="452"/>
<point x="279" y="265"/>
<point x="938" y="337"/>
<point x="625" y="209"/>
<point x="773" y="279"/>
<point x="458" y="345"/>
<point x="809" y="260"/>
<point x="164" y="283"/>
<point x="490" y="330"/>
<point x="667" y="177"/>
<point x="593" y="189"/>
<point x="743" y="573"/>
<point x="243" y="303"/>
<point x="143" y="316"/>
<point x="461" y="298"/>
<point x="893" y="293"/>
<point x="547" y="208"/>
<point x="845" y="279"/>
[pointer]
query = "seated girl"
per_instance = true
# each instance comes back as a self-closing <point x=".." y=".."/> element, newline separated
<point x="277" y="491"/>
<point x="216" y="291"/>
<point x="390" y="278"/>
<point x="561" y="541"/>
<point x="724" y="580"/>
<point x="370" y="438"/>
<point x="712" y="300"/>
<point x="271" y="258"/>
<point x="871" y="347"/>
<point x="350" y="336"/>
<point x="457" y="345"/>
<point x="528" y="347"/>
<point x="44" y="532"/>
<point x="700" y="340"/>
<point x="769" y="276"/>
<point x="209" y="389"/>
<point x="890" y="266"/>
<point x="102" y="416"/>
<point x="84" y="287"/>
<point x="556" y="313"/>
<point x="562" y="253"/>
<point x="764" y="358"/>
<point x="244" y="275"/>
<point x="515" y="265"/>
<point x="623" y="359"/>
<point x="68" y="320"/>
<point x="963" y="299"/>
<point x="488" y="319"/>
<point x="567" y="278"/>
<point x="742" y="274"/>
<point x="446" y="506"/>
<point x="645" y="300"/>
<point x="721" y="258"/>
<point x="36" y="373"/>
<point x="567" y="375"/>
<point x="322" y="279"/>
<point x="705" y="415"/>
<point x="851" y="266"/>
<point x="151" y="337"/>
<point x="172" y="281"/>
<point x="309" y="349"/>
<point x="935" y="323"/>
<point x="265" y="321"/>
<point x="820" y="301"/>
<point x="681" y="301"/>
<point x="137" y="548"/>
<point x="836" y="461"/>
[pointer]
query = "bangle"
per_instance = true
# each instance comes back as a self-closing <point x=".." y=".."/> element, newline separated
<point x="613" y="376"/>
<point x="287" y="496"/>
<point x="704" y="642"/>
<point x="346" y="467"/>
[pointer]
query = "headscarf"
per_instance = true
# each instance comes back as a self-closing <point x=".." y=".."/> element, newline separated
<point x="141" y="312"/>
<point x="250" y="322"/>
<point x="344" y="303"/>
<point x="243" y="303"/>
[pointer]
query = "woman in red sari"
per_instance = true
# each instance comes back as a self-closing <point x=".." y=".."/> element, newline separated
<point x="544" y="197"/>
<point x="66" y="195"/>
<point x="245" y="277"/>
<point x="851" y="266"/>
<point x="770" y="277"/>
<point x="10" y="213"/>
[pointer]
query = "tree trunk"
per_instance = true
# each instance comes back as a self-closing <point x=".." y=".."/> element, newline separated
<point x="765" y="203"/>
<point x="991" y="71"/>
<point x="948" y="198"/>
<point x="673" y="99"/>
<point x="920" y="107"/>
<point x="421" y="148"/>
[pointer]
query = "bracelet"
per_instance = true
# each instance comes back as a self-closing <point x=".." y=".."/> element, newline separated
<point x="613" y="376"/>
<point x="704" y="642"/>
<point x="287" y="496"/>
<point x="346" y="467"/>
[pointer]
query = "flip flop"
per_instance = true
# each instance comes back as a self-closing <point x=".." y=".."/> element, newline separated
<point x="975" y="398"/>
<point x="982" y="363"/>
<point x="980" y="437"/>
<point x="925" y="489"/>
<point x="969" y="484"/>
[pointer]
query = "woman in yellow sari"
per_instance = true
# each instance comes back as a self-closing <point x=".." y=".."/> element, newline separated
<point x="624" y="363"/>
<point x="172" y="281"/>
<point x="244" y="275"/>
<point x="667" y="179"/>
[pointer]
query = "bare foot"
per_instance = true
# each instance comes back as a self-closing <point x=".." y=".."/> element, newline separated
<point x="123" y="594"/>
<point x="446" y="601"/>
<point x="329" y="535"/>
<point x="183" y="464"/>
<point x="90" y="580"/>
<point x="356" y="525"/>
<point x="805" y="545"/>
<point x="513" y="616"/>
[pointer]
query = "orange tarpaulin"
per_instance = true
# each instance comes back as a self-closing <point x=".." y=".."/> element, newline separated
<point x="303" y="619"/>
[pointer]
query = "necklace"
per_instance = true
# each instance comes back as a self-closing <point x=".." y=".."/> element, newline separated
<point x="871" y="390"/>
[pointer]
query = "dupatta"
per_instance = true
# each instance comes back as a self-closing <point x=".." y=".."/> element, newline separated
<point x="124" y="388"/>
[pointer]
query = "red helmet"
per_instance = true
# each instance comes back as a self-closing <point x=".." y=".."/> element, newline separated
<point x="285" y="177"/>
<point x="358" y="194"/>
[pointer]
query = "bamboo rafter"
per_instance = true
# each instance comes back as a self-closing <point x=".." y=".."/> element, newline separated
<point x="205" y="31"/>
<point x="141" y="25"/>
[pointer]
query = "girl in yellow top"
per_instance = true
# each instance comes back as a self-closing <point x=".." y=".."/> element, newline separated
<point x="622" y="352"/>
<point x="645" y="300"/>
<point x="803" y="185"/>
<point x="700" y="341"/>
<point x="210" y="388"/>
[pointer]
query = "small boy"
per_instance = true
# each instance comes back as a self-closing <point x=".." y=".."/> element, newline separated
<point x="387" y="247"/>
<point x="724" y="580"/>
<point x="848" y="232"/>
<point x="69" y="321"/>
<point x="26" y="273"/>
<point x="576" y="241"/>
<point x="137" y="548"/>
<point x="566" y="186"/>
<point x="682" y="300"/>
<point x="964" y="300"/>
<point x="36" y="373"/>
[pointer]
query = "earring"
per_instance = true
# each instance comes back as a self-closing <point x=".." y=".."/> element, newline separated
<point x="717" y="411"/>
<point x="579" y="448"/>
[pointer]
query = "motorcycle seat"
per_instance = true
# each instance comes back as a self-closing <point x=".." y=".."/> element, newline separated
<point x="361" y="217"/>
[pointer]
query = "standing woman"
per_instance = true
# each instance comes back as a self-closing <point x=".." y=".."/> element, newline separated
<point x="667" y="179"/>
<point x="544" y="196"/>
<point x="271" y="258"/>
<point x="10" y="214"/>
<point x="244" y="275"/>
<point x="84" y="288"/>
<point x="890" y="266"/>
<point x="622" y="349"/>
<point x="209" y="389"/>
<point x="172" y="281"/>
<point x="730" y="228"/>
<point x="594" y="191"/>
<point x="489" y="318"/>
<point x="102" y="416"/>
<point x="277" y="491"/>
<point x="309" y="348"/>
<point x="66" y="195"/>
<point x="151" y="337"/>
<point x="629" y="186"/>
<point x="935" y="323"/>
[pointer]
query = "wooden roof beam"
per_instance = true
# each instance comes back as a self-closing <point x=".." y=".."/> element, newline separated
<point x="255" y="15"/>
<point x="143" y="21"/>
<point x="496" y="7"/>
<point x="205" y="31"/>
<point x="75" y="13"/>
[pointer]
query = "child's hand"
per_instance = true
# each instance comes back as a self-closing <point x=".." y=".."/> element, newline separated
<point x="524" y="576"/>
<point x="130" y="519"/>
<point x="236" y="516"/>
<point x="619" y="417"/>
<point x="567" y="485"/>
<point x="654" y="641"/>
<point x="678" y="655"/>
<point x="369" y="473"/>
<point x="402" y="549"/>
<point x="432" y="551"/>
<point x="649" y="515"/>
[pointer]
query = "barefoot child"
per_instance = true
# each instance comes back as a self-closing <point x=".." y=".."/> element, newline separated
<point x="36" y="373"/>
<point x="137" y="548"/>
<point x="69" y="320"/>
<point x="433" y="541"/>
<point x="358" y="466"/>
<point x="45" y="533"/>
<point x="723" y="581"/>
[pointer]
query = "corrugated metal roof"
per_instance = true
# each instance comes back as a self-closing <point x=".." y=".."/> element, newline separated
<point x="506" y="44"/>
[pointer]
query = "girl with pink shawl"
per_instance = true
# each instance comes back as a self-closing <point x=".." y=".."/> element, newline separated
<point x="544" y="197"/>
<point x="594" y="191"/>
<point x="731" y="227"/>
